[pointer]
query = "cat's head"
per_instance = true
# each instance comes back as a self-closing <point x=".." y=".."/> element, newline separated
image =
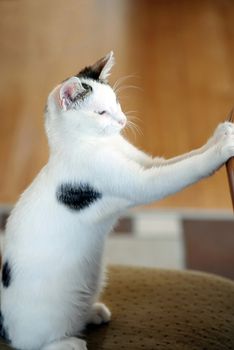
<point x="85" y="104"/>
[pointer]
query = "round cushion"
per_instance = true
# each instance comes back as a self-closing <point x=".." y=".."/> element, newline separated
<point x="166" y="310"/>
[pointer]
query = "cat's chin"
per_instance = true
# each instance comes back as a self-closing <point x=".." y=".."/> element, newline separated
<point x="112" y="130"/>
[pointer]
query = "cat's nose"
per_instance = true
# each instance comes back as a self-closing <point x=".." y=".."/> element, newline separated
<point x="122" y="119"/>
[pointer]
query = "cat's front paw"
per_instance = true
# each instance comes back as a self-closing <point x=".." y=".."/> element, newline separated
<point x="99" y="314"/>
<point x="70" y="343"/>
<point x="225" y="140"/>
<point x="221" y="132"/>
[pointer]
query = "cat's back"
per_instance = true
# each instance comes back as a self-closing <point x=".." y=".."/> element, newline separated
<point x="31" y="215"/>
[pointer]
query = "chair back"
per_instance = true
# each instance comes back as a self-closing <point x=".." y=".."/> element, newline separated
<point x="230" y="164"/>
<point x="230" y="173"/>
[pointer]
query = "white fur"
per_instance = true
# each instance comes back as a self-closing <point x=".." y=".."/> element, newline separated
<point x="56" y="253"/>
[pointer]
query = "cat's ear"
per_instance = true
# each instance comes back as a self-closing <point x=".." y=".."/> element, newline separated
<point x="99" y="70"/>
<point x="70" y="91"/>
<point x="104" y="65"/>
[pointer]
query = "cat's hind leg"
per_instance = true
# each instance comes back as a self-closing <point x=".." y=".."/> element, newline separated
<point x="99" y="314"/>
<point x="69" y="343"/>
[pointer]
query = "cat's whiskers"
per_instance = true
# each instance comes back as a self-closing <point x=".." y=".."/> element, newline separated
<point x="121" y="80"/>
<point x="132" y="117"/>
<point x="125" y="87"/>
<point x="135" y="129"/>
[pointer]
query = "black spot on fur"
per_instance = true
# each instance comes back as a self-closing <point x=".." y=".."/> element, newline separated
<point x="6" y="274"/>
<point x="77" y="197"/>
<point x="3" y="332"/>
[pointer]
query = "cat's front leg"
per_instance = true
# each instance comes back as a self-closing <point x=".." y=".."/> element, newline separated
<point x="202" y="163"/>
<point x="138" y="185"/>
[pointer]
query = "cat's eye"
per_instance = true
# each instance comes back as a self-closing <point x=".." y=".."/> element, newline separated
<point x="101" y="112"/>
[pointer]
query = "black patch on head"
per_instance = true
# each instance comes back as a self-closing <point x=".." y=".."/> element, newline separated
<point x="3" y="332"/>
<point x="95" y="71"/>
<point x="89" y="73"/>
<point x="6" y="274"/>
<point x="77" y="197"/>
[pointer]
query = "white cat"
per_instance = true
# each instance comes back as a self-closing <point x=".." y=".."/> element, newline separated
<point x="52" y="260"/>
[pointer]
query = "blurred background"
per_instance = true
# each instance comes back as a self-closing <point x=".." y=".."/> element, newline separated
<point x="177" y="57"/>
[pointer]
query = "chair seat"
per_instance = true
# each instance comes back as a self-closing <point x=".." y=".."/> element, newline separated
<point x="156" y="309"/>
<point x="159" y="309"/>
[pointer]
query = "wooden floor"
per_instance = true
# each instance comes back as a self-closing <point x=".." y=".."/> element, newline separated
<point x="180" y="55"/>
